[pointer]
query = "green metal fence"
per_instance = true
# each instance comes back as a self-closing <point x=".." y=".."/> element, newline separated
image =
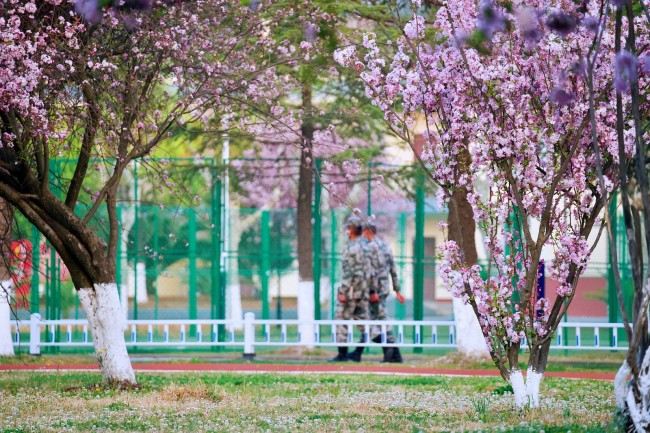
<point x="193" y="244"/>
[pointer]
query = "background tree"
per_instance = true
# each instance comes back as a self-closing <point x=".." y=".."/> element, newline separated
<point x="632" y="84"/>
<point x="507" y="103"/>
<point x="323" y="96"/>
<point x="387" y="26"/>
<point x="111" y="88"/>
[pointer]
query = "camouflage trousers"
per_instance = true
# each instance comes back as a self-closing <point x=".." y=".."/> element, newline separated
<point x="378" y="311"/>
<point x="354" y="309"/>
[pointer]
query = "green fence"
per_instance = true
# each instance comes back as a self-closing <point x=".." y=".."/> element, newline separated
<point x="186" y="246"/>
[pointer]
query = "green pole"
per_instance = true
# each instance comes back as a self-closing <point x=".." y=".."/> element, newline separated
<point x="627" y="284"/>
<point x="264" y="263"/>
<point x="118" y="257"/>
<point x="192" y="301"/>
<point x="47" y="300"/>
<point x="52" y="295"/>
<point x="57" y="300"/>
<point x="48" y="295"/>
<point x="156" y="234"/>
<point x="369" y="206"/>
<point x="215" y="280"/>
<point x="136" y="246"/>
<point x="418" y="268"/>
<point x="334" y="236"/>
<point x="35" y="301"/>
<point x="317" y="239"/>
<point x="400" y="309"/>
<point x="612" y="303"/>
<point x="624" y="264"/>
<point x="516" y="230"/>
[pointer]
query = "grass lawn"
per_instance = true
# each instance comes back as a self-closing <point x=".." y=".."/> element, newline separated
<point x="223" y="402"/>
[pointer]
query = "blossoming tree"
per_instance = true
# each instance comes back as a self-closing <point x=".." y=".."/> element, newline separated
<point x="87" y="83"/>
<point x="506" y="104"/>
<point x="632" y="84"/>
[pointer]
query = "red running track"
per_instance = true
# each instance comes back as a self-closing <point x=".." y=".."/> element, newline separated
<point x="297" y="368"/>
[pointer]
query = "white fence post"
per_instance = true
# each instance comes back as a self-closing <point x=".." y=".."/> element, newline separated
<point x="249" y="336"/>
<point x="35" y="334"/>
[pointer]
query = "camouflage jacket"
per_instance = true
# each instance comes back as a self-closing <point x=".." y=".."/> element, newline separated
<point x="375" y="263"/>
<point x="356" y="269"/>
<point x="387" y="269"/>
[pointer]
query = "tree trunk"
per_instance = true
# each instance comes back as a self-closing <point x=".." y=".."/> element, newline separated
<point x="620" y="384"/>
<point x="462" y="228"/>
<point x="101" y="304"/>
<point x="536" y="367"/>
<point x="305" y="187"/>
<point x="233" y="288"/>
<point x="91" y="262"/>
<point x="518" y="387"/>
<point x="6" y="343"/>
<point x="304" y="220"/>
<point x="7" y="284"/>
<point x="638" y="398"/>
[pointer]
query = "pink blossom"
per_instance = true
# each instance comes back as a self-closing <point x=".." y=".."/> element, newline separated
<point x="414" y="29"/>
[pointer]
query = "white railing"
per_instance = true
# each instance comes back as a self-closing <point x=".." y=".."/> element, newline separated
<point x="250" y="333"/>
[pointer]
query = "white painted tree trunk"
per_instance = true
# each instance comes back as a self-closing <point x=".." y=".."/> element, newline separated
<point x="533" y="381"/>
<point x="104" y="312"/>
<point x="233" y="289"/>
<point x="526" y="391"/>
<point x="137" y="283"/>
<point x="128" y="219"/>
<point x="640" y="411"/>
<point x="233" y="302"/>
<point x="306" y="312"/>
<point x="518" y="388"/>
<point x="6" y="342"/>
<point x="620" y="384"/>
<point x="469" y="336"/>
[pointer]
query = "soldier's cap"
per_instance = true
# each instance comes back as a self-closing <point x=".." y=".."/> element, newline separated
<point x="370" y="225"/>
<point x="353" y="221"/>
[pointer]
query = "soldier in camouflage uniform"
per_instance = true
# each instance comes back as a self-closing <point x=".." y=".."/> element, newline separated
<point x="353" y="290"/>
<point x="384" y="268"/>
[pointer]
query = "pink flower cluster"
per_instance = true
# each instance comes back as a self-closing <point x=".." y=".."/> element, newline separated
<point x="500" y="321"/>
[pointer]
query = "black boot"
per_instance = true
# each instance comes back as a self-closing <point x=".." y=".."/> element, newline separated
<point x="356" y="355"/>
<point x="342" y="356"/>
<point x="391" y="354"/>
<point x="395" y="356"/>
<point x="388" y="353"/>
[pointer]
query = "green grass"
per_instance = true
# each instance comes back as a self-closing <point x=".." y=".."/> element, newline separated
<point x="220" y="402"/>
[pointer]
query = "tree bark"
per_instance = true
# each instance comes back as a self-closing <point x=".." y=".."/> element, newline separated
<point x="304" y="223"/>
<point x="305" y="187"/>
<point x="462" y="228"/>
<point x="6" y="282"/>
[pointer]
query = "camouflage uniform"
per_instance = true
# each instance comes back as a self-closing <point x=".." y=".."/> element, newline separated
<point x="384" y="269"/>
<point x="354" y="285"/>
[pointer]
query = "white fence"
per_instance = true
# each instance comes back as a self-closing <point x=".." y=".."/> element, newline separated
<point x="251" y="333"/>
